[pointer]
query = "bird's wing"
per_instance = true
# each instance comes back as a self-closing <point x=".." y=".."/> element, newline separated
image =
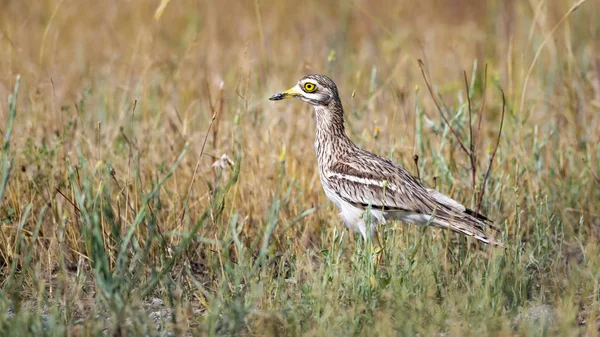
<point x="458" y="207"/>
<point x="379" y="184"/>
<point x="446" y="200"/>
<point x="383" y="185"/>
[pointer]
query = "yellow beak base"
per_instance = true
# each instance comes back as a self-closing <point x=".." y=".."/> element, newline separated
<point x="283" y="95"/>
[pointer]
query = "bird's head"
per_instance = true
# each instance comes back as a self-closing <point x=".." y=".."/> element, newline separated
<point x="317" y="90"/>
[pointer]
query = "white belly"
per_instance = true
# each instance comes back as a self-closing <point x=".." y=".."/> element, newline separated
<point x="354" y="217"/>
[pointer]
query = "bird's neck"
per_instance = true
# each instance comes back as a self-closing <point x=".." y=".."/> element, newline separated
<point x="331" y="135"/>
<point x="330" y="120"/>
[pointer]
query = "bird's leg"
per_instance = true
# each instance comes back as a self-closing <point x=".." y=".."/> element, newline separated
<point x="377" y="250"/>
<point x="373" y="243"/>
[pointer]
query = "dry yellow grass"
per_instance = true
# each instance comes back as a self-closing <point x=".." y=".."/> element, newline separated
<point x="115" y="92"/>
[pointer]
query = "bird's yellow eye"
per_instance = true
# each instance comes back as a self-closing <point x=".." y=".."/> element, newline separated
<point x="310" y="87"/>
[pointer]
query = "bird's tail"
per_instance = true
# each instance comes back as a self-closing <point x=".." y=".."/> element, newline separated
<point x="466" y="224"/>
<point x="455" y="216"/>
<point x="450" y="218"/>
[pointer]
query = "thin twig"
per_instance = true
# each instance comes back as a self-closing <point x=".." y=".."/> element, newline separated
<point x="197" y="165"/>
<point x="416" y="160"/>
<point x="422" y="66"/>
<point x="539" y="50"/>
<point x="127" y="140"/>
<point x="220" y="101"/>
<point x="472" y="158"/>
<point x="487" y="173"/>
<point x="113" y="174"/>
<point x="590" y="169"/>
<point x="67" y="199"/>
<point x="482" y="109"/>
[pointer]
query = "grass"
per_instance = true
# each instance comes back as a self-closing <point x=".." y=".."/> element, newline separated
<point x="120" y="215"/>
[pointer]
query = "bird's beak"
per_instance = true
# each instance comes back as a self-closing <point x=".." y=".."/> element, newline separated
<point x="286" y="94"/>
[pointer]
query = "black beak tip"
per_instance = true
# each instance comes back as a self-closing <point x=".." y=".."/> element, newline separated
<point x="276" y="97"/>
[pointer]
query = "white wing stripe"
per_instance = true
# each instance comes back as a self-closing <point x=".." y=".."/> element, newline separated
<point x="364" y="181"/>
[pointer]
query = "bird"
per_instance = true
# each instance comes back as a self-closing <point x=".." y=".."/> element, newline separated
<point x="370" y="189"/>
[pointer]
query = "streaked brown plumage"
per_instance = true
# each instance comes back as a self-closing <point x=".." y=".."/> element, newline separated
<point x="355" y="179"/>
